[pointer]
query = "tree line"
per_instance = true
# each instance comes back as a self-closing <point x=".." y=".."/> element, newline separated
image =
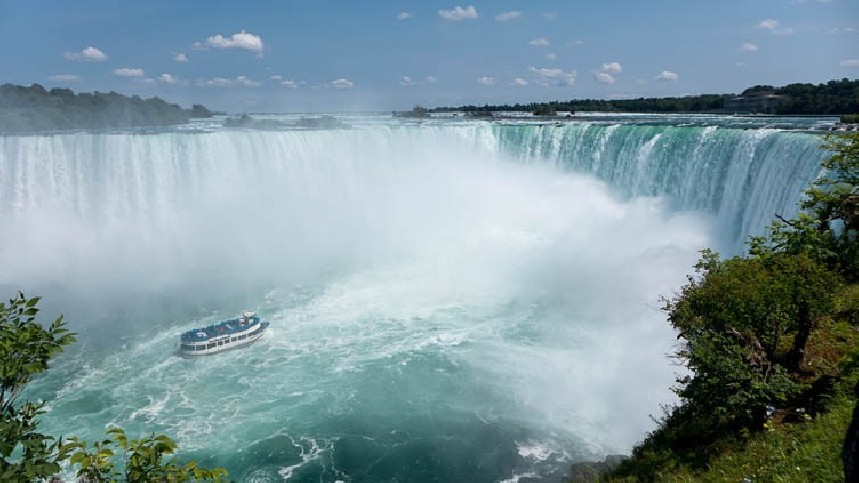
<point x="835" y="97"/>
<point x="34" y="108"/>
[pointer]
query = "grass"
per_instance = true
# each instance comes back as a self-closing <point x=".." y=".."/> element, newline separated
<point x="806" y="451"/>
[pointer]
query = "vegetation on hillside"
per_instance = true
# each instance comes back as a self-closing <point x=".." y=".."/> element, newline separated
<point x="26" y="454"/>
<point x="416" y="112"/>
<point x="545" y="110"/>
<point x="771" y="341"/>
<point x="34" y="108"/>
<point x="832" y="98"/>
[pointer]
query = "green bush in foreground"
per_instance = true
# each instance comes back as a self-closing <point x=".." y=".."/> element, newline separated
<point x="26" y="349"/>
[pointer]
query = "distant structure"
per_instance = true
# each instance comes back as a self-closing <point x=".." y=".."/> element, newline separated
<point x="417" y="111"/>
<point x="755" y="102"/>
<point x="479" y="113"/>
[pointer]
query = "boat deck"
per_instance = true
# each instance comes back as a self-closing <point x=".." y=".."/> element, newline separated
<point x="227" y="327"/>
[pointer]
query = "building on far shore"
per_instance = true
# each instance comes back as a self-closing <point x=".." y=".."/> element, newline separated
<point x="755" y="102"/>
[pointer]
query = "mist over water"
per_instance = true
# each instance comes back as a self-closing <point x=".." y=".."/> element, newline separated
<point x="441" y="304"/>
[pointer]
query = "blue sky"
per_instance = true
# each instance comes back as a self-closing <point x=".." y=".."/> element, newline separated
<point x="304" y="55"/>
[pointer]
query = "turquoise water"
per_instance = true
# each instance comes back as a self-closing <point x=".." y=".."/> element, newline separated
<point x="460" y="301"/>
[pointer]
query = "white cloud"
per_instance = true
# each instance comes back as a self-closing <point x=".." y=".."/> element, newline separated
<point x="458" y="13"/>
<point x="849" y="63"/>
<point x="64" y="78"/>
<point x="604" y="78"/>
<point x="180" y="57"/>
<point x="845" y="30"/>
<point x="545" y="74"/>
<point x="551" y="57"/>
<point x="773" y="25"/>
<point x="89" y="54"/>
<point x="546" y="71"/>
<point x="541" y="42"/>
<point x="568" y="79"/>
<point x="608" y="71"/>
<point x="246" y="82"/>
<point x="341" y="84"/>
<point x="740" y="65"/>
<point x="215" y="82"/>
<point x="128" y="72"/>
<point x="144" y="80"/>
<point x="290" y="84"/>
<point x="505" y="16"/>
<point x="640" y="81"/>
<point x="576" y="43"/>
<point x="667" y="75"/>
<point x="486" y="81"/>
<point x="275" y="77"/>
<point x="519" y="82"/>
<point x="769" y="24"/>
<point x="408" y="81"/>
<point x="170" y="79"/>
<point x="612" y="68"/>
<point x="405" y="15"/>
<point x="242" y="40"/>
<point x="550" y="16"/>
<point x="431" y="79"/>
<point x="748" y="47"/>
<point x="240" y="81"/>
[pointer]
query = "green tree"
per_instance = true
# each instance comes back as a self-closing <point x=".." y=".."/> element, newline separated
<point x="545" y="110"/>
<point x="26" y="350"/>
<point x="143" y="459"/>
<point x="745" y="323"/>
<point x="833" y="196"/>
<point x="833" y="199"/>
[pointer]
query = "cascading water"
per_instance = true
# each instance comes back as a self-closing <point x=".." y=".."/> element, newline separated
<point x="441" y="304"/>
<point x="744" y="177"/>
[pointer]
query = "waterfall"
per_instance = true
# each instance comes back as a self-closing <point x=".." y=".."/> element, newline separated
<point x="134" y="193"/>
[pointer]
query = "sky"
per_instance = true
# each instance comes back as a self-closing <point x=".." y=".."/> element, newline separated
<point x="330" y="55"/>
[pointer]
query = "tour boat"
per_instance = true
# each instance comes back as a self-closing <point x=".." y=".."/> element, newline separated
<point x="222" y="336"/>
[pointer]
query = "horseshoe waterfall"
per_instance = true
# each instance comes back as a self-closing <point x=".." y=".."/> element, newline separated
<point x="453" y="299"/>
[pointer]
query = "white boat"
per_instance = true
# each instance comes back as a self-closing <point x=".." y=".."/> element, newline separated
<point x="222" y="336"/>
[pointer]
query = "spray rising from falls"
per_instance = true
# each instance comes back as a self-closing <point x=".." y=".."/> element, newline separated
<point x="437" y="307"/>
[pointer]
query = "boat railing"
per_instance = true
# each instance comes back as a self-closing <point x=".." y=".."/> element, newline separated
<point x="228" y="327"/>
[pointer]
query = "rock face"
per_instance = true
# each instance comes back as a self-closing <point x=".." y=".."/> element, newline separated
<point x="850" y="452"/>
